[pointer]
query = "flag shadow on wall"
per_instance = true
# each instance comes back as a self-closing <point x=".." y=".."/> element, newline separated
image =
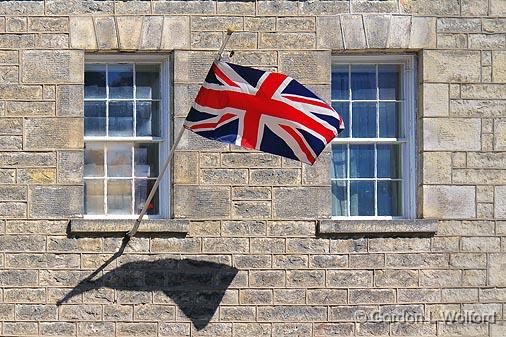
<point x="196" y="287"/>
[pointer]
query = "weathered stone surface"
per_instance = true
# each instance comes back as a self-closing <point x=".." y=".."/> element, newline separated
<point x="323" y="7"/>
<point x="52" y="41"/>
<point x="129" y="32"/>
<point x="8" y="74"/>
<point x="353" y="32"/>
<point x="8" y="57"/>
<point x="275" y="177"/>
<point x="22" y="109"/>
<point x="328" y="32"/>
<point x="444" y="7"/>
<point x="151" y="35"/>
<point x="423" y="32"/>
<point x="82" y="33"/>
<point x="17" y="41"/>
<point x="21" y="92"/>
<point x="446" y="202"/>
<point x="52" y="66"/>
<point x="366" y="296"/>
<point x="500" y="134"/>
<point x="487" y="41"/>
<point x="249" y="160"/>
<point x="251" y="209"/>
<point x="435" y="100"/>
<point x="70" y="167"/>
<point x="451" y="134"/>
<point x="27" y="159"/>
<point x="51" y="133"/>
<point x="22" y="8"/>
<point x="201" y="202"/>
<point x="275" y="40"/>
<point x="20" y="328"/>
<point x="317" y="203"/>
<point x="437" y="167"/>
<point x="376" y="30"/>
<point x="57" y="202"/>
<point x="477" y="108"/>
<point x="251" y="193"/>
<point x="498" y="66"/>
<point x="64" y="7"/>
<point x="69" y="101"/>
<point x="458" y="25"/>
<point x="48" y="24"/>
<point x="106" y="33"/>
<point x="185" y="168"/>
<point x="184" y="7"/>
<point x="223" y="176"/>
<point x="349" y="278"/>
<point x="484" y="91"/>
<point x="292" y="313"/>
<point x="452" y="41"/>
<point x="500" y="202"/>
<point x="295" y="64"/>
<point x="11" y="143"/>
<point x="400" y="31"/>
<point x="176" y="33"/>
<point x="451" y="66"/>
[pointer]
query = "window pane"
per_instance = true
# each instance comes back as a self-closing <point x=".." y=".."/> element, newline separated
<point x="339" y="201"/>
<point x="362" y="198"/>
<point x="94" y="81"/>
<point x="343" y="109"/>
<point x="94" y="196"/>
<point x="364" y="120"/>
<point x="147" y="81"/>
<point x="389" y="120"/>
<point x="389" y="81"/>
<point x="389" y="193"/>
<point x="339" y="164"/>
<point x="121" y="118"/>
<point x="119" y="197"/>
<point x="363" y="81"/>
<point x="119" y="160"/>
<point x="142" y="189"/>
<point x="93" y="160"/>
<point x="146" y="160"/>
<point x="148" y="118"/>
<point x="362" y="161"/>
<point x="389" y="161"/>
<point x="340" y="82"/>
<point x="94" y="118"/>
<point x="121" y="81"/>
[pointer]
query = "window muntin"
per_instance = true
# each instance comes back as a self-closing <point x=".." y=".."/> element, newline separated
<point x="373" y="159"/>
<point x="124" y="138"/>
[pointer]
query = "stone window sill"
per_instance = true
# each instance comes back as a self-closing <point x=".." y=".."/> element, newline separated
<point x="378" y="227"/>
<point x="102" y="226"/>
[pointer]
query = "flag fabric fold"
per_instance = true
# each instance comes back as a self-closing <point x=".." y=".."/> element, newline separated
<point x="262" y="110"/>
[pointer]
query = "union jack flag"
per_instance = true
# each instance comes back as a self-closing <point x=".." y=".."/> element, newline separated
<point x="262" y="110"/>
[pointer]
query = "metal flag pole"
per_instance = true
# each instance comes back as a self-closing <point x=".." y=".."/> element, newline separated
<point x="134" y="229"/>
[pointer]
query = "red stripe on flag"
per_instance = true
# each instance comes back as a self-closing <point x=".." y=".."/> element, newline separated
<point x="223" y="77"/>
<point x="299" y="141"/>
<point x="223" y="118"/>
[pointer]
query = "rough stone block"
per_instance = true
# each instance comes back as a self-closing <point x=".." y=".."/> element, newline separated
<point x="376" y="29"/>
<point x="50" y="66"/>
<point x="295" y="64"/>
<point x="452" y="134"/>
<point x="435" y="100"/>
<point x="328" y="261"/>
<point x="500" y="134"/>
<point x="136" y="329"/>
<point x="458" y="25"/>
<point x="48" y="24"/>
<point x="268" y="245"/>
<point x="9" y="74"/>
<point x="55" y="201"/>
<point x="20" y="328"/>
<point x="129" y="32"/>
<point x="95" y="328"/>
<point x="440" y="278"/>
<point x="366" y="296"/>
<point x="292" y="313"/>
<point x="296" y="24"/>
<point x="290" y="261"/>
<point x="106" y="33"/>
<point x="251" y="193"/>
<point x="487" y="41"/>
<point x="13" y="209"/>
<point x="82" y="33"/>
<point x="24" y="109"/>
<point x="69" y="101"/>
<point x="500" y="202"/>
<point x="201" y="201"/>
<point x="451" y="66"/>
<point x="11" y="143"/>
<point x="400" y="31"/>
<point x="8" y="57"/>
<point x="328" y="32"/>
<point x="184" y="7"/>
<point x="317" y="203"/>
<point x="448" y="202"/>
<point x="307" y="246"/>
<point x="251" y="209"/>
<point x="51" y="133"/>
<point x="17" y="41"/>
<point x="349" y="278"/>
<point x="225" y="245"/>
<point x="353" y="32"/>
<point x="391" y="278"/>
<point x="66" y="7"/>
<point x="151" y="36"/>
<point x="16" y="91"/>
<point x="484" y="91"/>
<point x="275" y="177"/>
<point x="277" y="40"/>
<point x="437" y="167"/>
<point x="498" y="66"/>
<point x="252" y="329"/>
<point x="176" y="33"/>
<point x="443" y="8"/>
<point x="252" y="262"/>
<point x="218" y="176"/>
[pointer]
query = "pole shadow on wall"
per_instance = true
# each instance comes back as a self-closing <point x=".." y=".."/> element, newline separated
<point x="197" y="287"/>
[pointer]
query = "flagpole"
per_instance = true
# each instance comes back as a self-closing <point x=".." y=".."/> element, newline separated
<point x="135" y="227"/>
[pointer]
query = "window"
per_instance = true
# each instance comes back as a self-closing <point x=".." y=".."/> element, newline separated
<point x="373" y="160"/>
<point x="125" y="133"/>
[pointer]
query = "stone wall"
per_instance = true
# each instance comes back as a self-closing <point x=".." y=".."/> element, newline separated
<point x="252" y="237"/>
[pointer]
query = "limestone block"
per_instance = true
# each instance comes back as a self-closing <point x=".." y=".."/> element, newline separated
<point x="376" y="29"/>
<point x="296" y="24"/>
<point x="474" y="7"/>
<point x="52" y="41"/>
<point x="400" y="31"/>
<point x="27" y="159"/>
<point x="295" y="64"/>
<point x="236" y="7"/>
<point x="55" y="201"/>
<point x="447" y="202"/>
<point x="452" y="41"/>
<point x="176" y="33"/>
<point x="259" y="24"/>
<point x="423" y="33"/>
<point x="496" y="267"/>
<point x="292" y="313"/>
<point x="286" y="202"/>
<point x="51" y="133"/>
<point x="37" y="176"/>
<point x="500" y="202"/>
<point x="52" y="66"/>
<point x="353" y="32"/>
<point x="458" y="25"/>
<point x="328" y="32"/>
<point x="66" y="7"/>
<point x="69" y="100"/>
<point x="500" y="134"/>
<point x="151" y="36"/>
<point x="323" y="7"/>
<point x="216" y="23"/>
<point x="216" y="176"/>
<point x="25" y="109"/>
<point x="275" y="7"/>
<point x="11" y="143"/>
<point x="70" y="167"/>
<point x="129" y="31"/>
<point x="206" y="40"/>
<point x="442" y="7"/>
<point x="201" y="201"/>
<point x="48" y="24"/>
<point x="487" y="41"/>
<point x="82" y="33"/>
<point x="132" y="7"/>
<point x="184" y="7"/>
<point x="9" y="74"/>
<point x="8" y="57"/>
<point x="435" y="100"/>
<point x="437" y="167"/>
<point x="17" y="40"/>
<point x="494" y="25"/>
<point x="277" y="40"/>
<point x="452" y="134"/>
<point x="243" y="40"/>
<point x="21" y="8"/>
<point x="484" y="91"/>
<point x="106" y="33"/>
<point x="16" y="24"/>
<point x="451" y="66"/>
<point x="499" y="66"/>
<point x="497" y="7"/>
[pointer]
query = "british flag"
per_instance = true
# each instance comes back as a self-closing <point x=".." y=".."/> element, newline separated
<point x="262" y="110"/>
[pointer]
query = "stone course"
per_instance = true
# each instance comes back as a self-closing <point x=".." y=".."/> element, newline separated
<point x="294" y="274"/>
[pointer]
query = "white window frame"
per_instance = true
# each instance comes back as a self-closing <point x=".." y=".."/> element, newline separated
<point x="408" y="148"/>
<point x="165" y="62"/>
